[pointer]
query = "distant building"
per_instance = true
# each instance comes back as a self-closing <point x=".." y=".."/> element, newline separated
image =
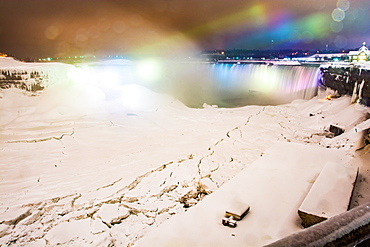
<point x="328" y="57"/>
<point x="213" y="55"/>
<point x="363" y="54"/>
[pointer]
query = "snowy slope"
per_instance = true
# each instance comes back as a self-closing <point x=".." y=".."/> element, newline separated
<point x="265" y="185"/>
<point x="82" y="165"/>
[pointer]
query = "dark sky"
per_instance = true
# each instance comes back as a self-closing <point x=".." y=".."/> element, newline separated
<point x="50" y="28"/>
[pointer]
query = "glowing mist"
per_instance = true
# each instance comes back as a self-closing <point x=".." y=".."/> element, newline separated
<point x="234" y="85"/>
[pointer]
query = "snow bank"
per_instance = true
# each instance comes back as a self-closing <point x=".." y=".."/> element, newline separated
<point x="76" y="91"/>
<point x="76" y="100"/>
<point x="362" y="65"/>
<point x="32" y="76"/>
<point x="9" y="62"/>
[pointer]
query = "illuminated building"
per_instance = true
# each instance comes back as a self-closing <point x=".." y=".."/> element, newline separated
<point x="363" y="54"/>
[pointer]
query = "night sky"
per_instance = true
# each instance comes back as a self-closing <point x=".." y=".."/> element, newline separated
<point x="55" y="28"/>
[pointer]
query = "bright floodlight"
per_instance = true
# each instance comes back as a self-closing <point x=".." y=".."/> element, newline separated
<point x="79" y="74"/>
<point x="148" y="70"/>
<point x="106" y="78"/>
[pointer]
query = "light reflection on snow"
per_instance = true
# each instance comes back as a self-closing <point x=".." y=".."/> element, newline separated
<point x="132" y="97"/>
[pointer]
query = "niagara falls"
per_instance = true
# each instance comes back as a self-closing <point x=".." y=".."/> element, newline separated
<point x="184" y="123"/>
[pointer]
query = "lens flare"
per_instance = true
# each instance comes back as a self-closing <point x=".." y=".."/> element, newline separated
<point x="336" y="26"/>
<point x="338" y="15"/>
<point x="343" y="4"/>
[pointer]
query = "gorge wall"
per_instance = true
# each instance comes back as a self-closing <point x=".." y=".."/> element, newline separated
<point x="348" y="80"/>
<point x="29" y="81"/>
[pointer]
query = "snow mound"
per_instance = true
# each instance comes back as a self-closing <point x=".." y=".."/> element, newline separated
<point x="133" y="97"/>
<point x="89" y="88"/>
<point x="10" y="62"/>
<point x="76" y="100"/>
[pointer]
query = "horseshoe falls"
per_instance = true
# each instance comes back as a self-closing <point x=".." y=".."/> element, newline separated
<point x="235" y="85"/>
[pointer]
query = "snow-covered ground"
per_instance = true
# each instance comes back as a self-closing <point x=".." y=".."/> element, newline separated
<point x="79" y="169"/>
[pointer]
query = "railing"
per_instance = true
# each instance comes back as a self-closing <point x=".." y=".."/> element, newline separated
<point x="347" y="229"/>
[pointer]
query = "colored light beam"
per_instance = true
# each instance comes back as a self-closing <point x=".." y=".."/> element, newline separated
<point x="307" y="29"/>
<point x="251" y="17"/>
